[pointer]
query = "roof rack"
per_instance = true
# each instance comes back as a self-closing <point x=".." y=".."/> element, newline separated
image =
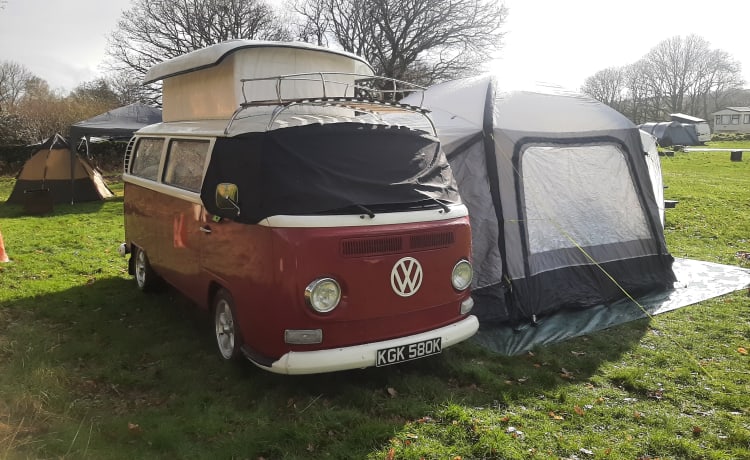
<point x="362" y="93"/>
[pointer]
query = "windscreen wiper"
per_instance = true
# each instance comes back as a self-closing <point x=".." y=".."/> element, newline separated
<point x="366" y="210"/>
<point x="445" y="207"/>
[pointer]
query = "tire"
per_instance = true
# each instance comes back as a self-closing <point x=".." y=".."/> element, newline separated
<point x="228" y="337"/>
<point x="145" y="277"/>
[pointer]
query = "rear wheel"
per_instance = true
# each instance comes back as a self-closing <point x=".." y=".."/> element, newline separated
<point x="228" y="336"/>
<point x="145" y="277"/>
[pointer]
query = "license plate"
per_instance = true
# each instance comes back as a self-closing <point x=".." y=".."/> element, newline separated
<point x="416" y="350"/>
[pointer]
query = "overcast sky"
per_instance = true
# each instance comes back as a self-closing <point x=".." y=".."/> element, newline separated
<point x="555" y="41"/>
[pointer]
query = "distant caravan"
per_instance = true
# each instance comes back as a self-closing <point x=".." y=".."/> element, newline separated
<point x="321" y="237"/>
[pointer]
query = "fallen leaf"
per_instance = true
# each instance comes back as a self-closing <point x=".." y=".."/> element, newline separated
<point x="554" y="416"/>
<point x="578" y="353"/>
<point x="656" y="394"/>
<point x="392" y="391"/>
<point x="310" y="447"/>
<point x="391" y="454"/>
<point x="697" y="431"/>
<point x="637" y="414"/>
<point x="742" y="350"/>
<point x="579" y="411"/>
<point x="134" y="428"/>
<point x="566" y="374"/>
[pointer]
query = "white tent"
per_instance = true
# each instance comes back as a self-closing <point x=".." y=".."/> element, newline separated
<point x="563" y="206"/>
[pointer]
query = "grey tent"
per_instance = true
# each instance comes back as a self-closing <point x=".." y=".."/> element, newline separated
<point x="672" y="133"/>
<point x="119" y="123"/>
<point x="562" y="207"/>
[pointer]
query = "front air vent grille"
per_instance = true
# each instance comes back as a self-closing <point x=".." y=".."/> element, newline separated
<point x="431" y="240"/>
<point x="372" y="246"/>
<point x="394" y="244"/>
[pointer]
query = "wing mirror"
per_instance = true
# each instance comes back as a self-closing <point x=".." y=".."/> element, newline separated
<point x="227" y="197"/>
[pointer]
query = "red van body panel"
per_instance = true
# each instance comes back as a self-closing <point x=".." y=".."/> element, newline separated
<point x="370" y="310"/>
<point x="267" y="270"/>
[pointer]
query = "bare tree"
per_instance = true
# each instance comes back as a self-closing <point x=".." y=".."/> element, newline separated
<point x="153" y="31"/>
<point x="608" y="86"/>
<point x="424" y="41"/>
<point x="13" y="80"/>
<point x="680" y="74"/>
<point x="315" y="26"/>
<point x="684" y="73"/>
<point x="638" y="104"/>
<point x="127" y="87"/>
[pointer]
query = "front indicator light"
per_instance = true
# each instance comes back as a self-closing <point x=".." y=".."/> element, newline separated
<point x="323" y="295"/>
<point x="467" y="305"/>
<point x="303" y="336"/>
<point x="462" y="275"/>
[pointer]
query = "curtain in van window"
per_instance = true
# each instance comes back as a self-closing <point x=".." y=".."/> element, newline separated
<point x="145" y="162"/>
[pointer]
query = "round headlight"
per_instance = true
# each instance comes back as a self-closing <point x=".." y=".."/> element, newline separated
<point x="323" y="294"/>
<point x="462" y="275"/>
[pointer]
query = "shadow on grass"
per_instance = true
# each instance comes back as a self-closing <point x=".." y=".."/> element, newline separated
<point x="142" y="373"/>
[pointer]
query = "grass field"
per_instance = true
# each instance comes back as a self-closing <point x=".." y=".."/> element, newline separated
<point x="92" y="368"/>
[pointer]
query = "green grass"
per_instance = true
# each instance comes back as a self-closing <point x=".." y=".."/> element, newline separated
<point x="92" y="368"/>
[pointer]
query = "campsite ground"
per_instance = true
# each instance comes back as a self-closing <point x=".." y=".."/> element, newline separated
<point x="90" y="367"/>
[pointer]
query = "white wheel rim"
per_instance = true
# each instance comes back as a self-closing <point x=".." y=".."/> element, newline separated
<point x="224" y="329"/>
<point x="140" y="268"/>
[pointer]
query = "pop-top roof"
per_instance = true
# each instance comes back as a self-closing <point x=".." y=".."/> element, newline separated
<point x="214" y="54"/>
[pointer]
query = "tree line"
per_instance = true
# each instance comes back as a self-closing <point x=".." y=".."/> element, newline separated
<point x="678" y="75"/>
<point x="420" y="41"/>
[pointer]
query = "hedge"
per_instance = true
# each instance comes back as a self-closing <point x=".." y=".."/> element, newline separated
<point x="107" y="156"/>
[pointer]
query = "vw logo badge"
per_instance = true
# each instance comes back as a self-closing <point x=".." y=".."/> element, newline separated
<point x="406" y="277"/>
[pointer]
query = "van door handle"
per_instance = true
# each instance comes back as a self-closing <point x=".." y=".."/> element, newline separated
<point x="205" y="229"/>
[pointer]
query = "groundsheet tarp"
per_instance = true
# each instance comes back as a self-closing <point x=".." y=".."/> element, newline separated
<point x="696" y="281"/>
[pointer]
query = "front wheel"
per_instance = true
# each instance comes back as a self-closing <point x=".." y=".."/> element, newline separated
<point x="145" y="277"/>
<point x="228" y="336"/>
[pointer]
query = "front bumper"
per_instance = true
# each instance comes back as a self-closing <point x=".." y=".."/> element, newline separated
<point x="361" y="356"/>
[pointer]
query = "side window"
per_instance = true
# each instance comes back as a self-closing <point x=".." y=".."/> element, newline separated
<point x="146" y="158"/>
<point x="185" y="161"/>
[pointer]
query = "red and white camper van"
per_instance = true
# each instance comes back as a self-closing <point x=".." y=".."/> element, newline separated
<point x="274" y="193"/>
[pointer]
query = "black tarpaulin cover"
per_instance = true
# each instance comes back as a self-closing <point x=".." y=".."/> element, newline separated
<point x="323" y="168"/>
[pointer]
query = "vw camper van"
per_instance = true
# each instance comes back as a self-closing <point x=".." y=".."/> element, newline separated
<point x="275" y="194"/>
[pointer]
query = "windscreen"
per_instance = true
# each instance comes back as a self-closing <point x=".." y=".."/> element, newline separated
<point x="331" y="168"/>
